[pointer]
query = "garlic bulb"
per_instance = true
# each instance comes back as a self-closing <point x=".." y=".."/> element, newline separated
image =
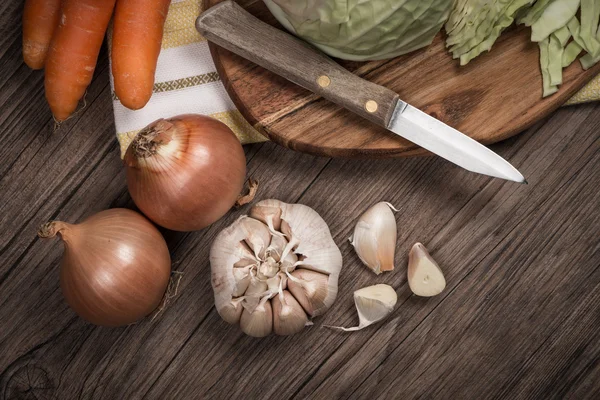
<point x="374" y="237"/>
<point x="425" y="277"/>
<point x="373" y="304"/>
<point x="275" y="269"/>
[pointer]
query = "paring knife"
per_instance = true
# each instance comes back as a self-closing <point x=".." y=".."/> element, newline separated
<point x="230" y="26"/>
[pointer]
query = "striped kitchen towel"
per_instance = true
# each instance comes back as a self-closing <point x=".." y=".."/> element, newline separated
<point x="187" y="82"/>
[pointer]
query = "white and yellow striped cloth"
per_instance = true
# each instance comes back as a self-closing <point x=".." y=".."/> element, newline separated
<point x="187" y="82"/>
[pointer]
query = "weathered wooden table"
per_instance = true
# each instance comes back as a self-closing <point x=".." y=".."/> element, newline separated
<point x="520" y="317"/>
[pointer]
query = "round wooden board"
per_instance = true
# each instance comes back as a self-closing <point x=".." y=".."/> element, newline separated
<point x="495" y="96"/>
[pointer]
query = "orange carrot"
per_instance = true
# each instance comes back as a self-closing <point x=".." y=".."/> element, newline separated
<point x="40" y="18"/>
<point x="74" y="51"/>
<point x="136" y="41"/>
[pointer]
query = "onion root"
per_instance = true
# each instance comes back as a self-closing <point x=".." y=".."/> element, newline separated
<point x="170" y="293"/>
<point x="50" y="229"/>
<point x="247" y="198"/>
<point x="148" y="140"/>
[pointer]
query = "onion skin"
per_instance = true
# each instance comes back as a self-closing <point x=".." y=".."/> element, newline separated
<point x="115" y="268"/>
<point x="186" y="172"/>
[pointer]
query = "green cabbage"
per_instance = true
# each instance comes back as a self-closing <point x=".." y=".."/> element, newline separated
<point x="553" y="24"/>
<point x="475" y="25"/>
<point x="363" y="29"/>
<point x="378" y="29"/>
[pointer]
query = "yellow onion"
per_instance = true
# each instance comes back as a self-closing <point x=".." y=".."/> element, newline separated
<point x="115" y="268"/>
<point x="186" y="172"/>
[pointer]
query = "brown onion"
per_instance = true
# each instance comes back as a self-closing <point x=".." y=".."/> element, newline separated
<point x="185" y="172"/>
<point x="115" y="268"/>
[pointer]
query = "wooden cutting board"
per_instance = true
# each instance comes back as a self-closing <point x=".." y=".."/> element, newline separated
<point x="495" y="96"/>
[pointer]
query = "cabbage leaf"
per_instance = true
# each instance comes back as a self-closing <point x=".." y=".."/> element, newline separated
<point x="474" y="26"/>
<point x="363" y="29"/>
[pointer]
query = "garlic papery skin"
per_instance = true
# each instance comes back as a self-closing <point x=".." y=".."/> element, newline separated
<point x="242" y="279"/>
<point x="256" y="235"/>
<point x="255" y="292"/>
<point x="374" y="237"/>
<point x="275" y="249"/>
<point x="312" y="291"/>
<point x="244" y="254"/>
<point x="277" y="283"/>
<point x="298" y="240"/>
<point x="425" y="277"/>
<point x="288" y="315"/>
<point x="268" y="215"/>
<point x="258" y="323"/>
<point x="268" y="269"/>
<point x="373" y="304"/>
<point x="232" y="312"/>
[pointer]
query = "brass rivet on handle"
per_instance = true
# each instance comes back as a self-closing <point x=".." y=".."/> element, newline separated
<point x="371" y="106"/>
<point x="323" y="81"/>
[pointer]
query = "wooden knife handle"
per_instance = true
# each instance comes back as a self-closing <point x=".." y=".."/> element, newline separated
<point x="230" y="26"/>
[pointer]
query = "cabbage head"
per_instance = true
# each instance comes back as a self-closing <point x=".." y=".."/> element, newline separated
<point x="363" y="29"/>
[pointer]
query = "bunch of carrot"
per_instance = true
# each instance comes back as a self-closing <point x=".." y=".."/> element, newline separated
<point x="65" y="36"/>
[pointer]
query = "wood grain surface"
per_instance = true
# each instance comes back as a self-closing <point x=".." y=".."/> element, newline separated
<point x="519" y="317"/>
<point x="495" y="96"/>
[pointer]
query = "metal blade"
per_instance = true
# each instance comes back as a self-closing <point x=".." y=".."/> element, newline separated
<point x="439" y="138"/>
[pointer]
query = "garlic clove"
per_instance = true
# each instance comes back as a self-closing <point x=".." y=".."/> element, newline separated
<point x="312" y="291"/>
<point x="288" y="264"/>
<point x="270" y="215"/>
<point x="242" y="280"/>
<point x="288" y="315"/>
<point x="256" y="235"/>
<point x="257" y="289"/>
<point x="374" y="237"/>
<point x="244" y="255"/>
<point x="373" y="304"/>
<point x="425" y="277"/>
<point x="276" y="247"/>
<point x="228" y="249"/>
<point x="258" y="323"/>
<point x="293" y="241"/>
<point x="275" y="283"/>
<point x="231" y="312"/>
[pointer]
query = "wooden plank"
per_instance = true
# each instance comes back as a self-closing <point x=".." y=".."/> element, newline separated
<point x="25" y="118"/>
<point x="519" y="318"/>
<point x="549" y="158"/>
<point x="565" y="365"/>
<point x="436" y="202"/>
<point x="43" y="331"/>
<point x="506" y="308"/>
<point x="49" y="173"/>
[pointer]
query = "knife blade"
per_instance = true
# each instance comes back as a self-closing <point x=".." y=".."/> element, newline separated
<point x="231" y="27"/>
